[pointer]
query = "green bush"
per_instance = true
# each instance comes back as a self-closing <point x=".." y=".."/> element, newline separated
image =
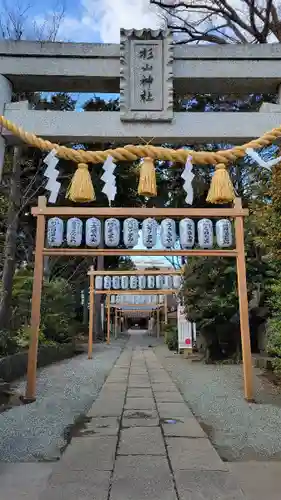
<point x="58" y="315"/>
<point x="8" y="343"/>
<point x="274" y="326"/>
<point x="171" y="338"/>
<point x="23" y="338"/>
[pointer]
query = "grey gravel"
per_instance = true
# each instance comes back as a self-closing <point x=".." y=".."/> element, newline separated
<point x="65" y="391"/>
<point x="238" y="430"/>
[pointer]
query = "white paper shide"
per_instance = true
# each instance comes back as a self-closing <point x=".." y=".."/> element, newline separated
<point x="112" y="232"/>
<point x="224" y="233"/>
<point x="130" y="232"/>
<point x="55" y="232"/>
<point x="205" y="233"/>
<point x="93" y="232"/>
<point x="187" y="233"/>
<point x="149" y="232"/>
<point x="74" y="230"/>
<point x="168" y="233"/>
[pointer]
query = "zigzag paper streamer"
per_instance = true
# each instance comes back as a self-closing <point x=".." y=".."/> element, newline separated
<point x="109" y="188"/>
<point x="52" y="173"/>
<point x="188" y="177"/>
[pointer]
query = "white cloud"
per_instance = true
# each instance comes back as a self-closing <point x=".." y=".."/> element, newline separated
<point x="108" y="16"/>
<point x="104" y="18"/>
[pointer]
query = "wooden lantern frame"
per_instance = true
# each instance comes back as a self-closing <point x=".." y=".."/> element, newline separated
<point x="42" y="211"/>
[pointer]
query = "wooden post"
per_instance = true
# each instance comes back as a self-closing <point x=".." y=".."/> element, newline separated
<point x="91" y="318"/>
<point x="30" y="393"/>
<point x="158" y="321"/>
<point x="115" y="322"/>
<point x="166" y="309"/>
<point x="108" y="318"/>
<point x="243" y="305"/>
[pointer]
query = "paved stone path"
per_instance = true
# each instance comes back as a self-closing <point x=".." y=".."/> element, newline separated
<point x="140" y="442"/>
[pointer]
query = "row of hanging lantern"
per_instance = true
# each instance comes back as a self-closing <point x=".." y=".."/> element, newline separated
<point x="137" y="299"/>
<point x="112" y="230"/>
<point x="133" y="282"/>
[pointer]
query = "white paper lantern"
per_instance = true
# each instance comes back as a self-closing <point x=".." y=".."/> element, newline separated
<point x="205" y="233"/>
<point x="168" y="233"/>
<point x="150" y="281"/>
<point x="166" y="282"/>
<point x="159" y="281"/>
<point x="130" y="232"/>
<point x="149" y="232"/>
<point x="133" y="282"/>
<point x="116" y="282"/>
<point x="187" y="233"/>
<point x="74" y="230"/>
<point x="118" y="299"/>
<point x="99" y="282"/>
<point x="124" y="282"/>
<point x="93" y="232"/>
<point x="176" y="282"/>
<point x="112" y="232"/>
<point x="224" y="233"/>
<point x="142" y="282"/>
<point x="107" y="283"/>
<point x="55" y="232"/>
<point x="113" y="299"/>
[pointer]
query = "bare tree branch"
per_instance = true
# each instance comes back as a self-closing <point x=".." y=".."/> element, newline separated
<point x="243" y="22"/>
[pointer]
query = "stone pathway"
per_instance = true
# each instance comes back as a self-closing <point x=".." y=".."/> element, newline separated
<point x="140" y="441"/>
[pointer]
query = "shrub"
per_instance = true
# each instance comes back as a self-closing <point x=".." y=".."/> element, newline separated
<point x="58" y="323"/>
<point x="274" y="326"/>
<point x="8" y="343"/>
<point x="171" y="338"/>
<point x="23" y="338"/>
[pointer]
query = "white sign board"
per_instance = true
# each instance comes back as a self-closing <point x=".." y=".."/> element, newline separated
<point x="186" y="330"/>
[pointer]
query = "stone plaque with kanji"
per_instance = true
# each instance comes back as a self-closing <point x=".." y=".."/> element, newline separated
<point x="146" y="78"/>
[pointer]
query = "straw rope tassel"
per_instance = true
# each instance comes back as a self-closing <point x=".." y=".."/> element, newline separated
<point x="147" y="183"/>
<point x="221" y="189"/>
<point x="81" y="189"/>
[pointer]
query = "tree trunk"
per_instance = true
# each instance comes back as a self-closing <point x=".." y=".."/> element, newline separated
<point x="98" y="333"/>
<point x="10" y="242"/>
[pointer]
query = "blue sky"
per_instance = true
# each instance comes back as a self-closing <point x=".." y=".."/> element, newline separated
<point x="87" y="20"/>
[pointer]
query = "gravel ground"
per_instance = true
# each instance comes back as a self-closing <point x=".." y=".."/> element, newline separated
<point x="239" y="431"/>
<point x="65" y="390"/>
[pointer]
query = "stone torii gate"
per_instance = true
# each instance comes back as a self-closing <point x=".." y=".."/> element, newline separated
<point x="145" y="68"/>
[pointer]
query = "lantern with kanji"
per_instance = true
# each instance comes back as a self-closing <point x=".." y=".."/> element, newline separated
<point x="124" y="282"/>
<point x="74" y="230"/>
<point x="205" y="233"/>
<point x="107" y="282"/>
<point x="149" y="232"/>
<point x="187" y="233"/>
<point x="224" y="233"/>
<point x="99" y="282"/>
<point x="93" y="232"/>
<point x="130" y="232"/>
<point x="112" y="232"/>
<point x="55" y="232"/>
<point x="168" y="233"/>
